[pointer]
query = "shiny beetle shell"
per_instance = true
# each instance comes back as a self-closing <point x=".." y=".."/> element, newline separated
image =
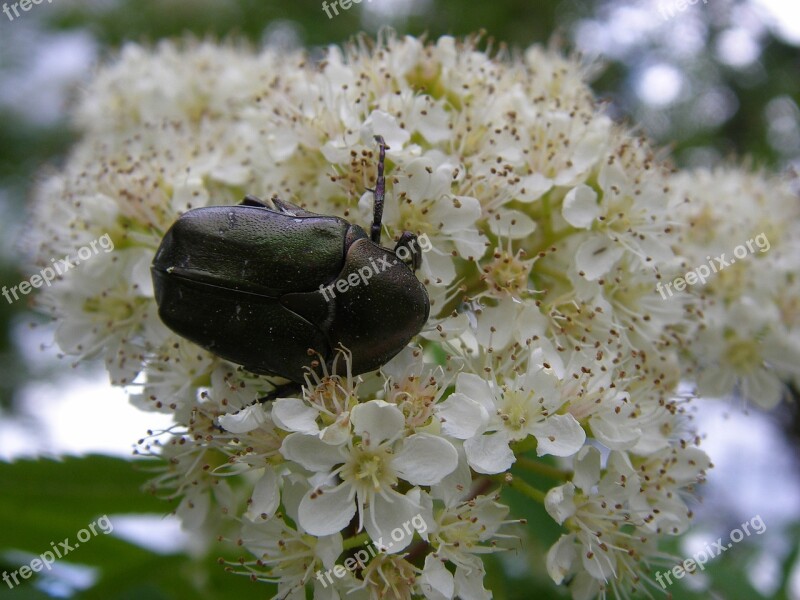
<point x="276" y="288"/>
<point x="251" y="285"/>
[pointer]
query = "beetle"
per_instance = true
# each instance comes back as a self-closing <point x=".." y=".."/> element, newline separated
<point x="274" y="288"/>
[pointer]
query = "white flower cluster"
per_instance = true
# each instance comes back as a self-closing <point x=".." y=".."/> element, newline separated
<point x="747" y="227"/>
<point x="548" y="349"/>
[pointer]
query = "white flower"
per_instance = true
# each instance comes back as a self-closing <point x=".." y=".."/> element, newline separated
<point x="489" y="418"/>
<point x="549" y="228"/>
<point x="324" y="409"/>
<point x="598" y="544"/>
<point x="186" y="474"/>
<point x="462" y="530"/>
<point x="171" y="384"/>
<point x="749" y="340"/>
<point x="612" y="512"/>
<point x="743" y="349"/>
<point x="390" y="576"/>
<point x="424" y="203"/>
<point x="287" y="556"/>
<point x="368" y="466"/>
<point x="415" y="387"/>
<point x="606" y="409"/>
<point x="104" y="309"/>
<point x="663" y="476"/>
<point x="437" y="583"/>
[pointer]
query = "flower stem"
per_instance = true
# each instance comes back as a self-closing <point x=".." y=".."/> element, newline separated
<point x="542" y="468"/>
<point x="355" y="541"/>
<point x="521" y="486"/>
<point x="546" y="222"/>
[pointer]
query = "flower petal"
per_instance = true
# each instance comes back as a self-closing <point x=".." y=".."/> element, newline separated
<point x="329" y="548"/>
<point x="615" y="435"/>
<point x="469" y="583"/>
<point x="496" y="324"/>
<point x="310" y="452"/>
<point x="377" y="421"/>
<point x="559" y="435"/>
<point x="476" y="388"/>
<point x="512" y="224"/>
<point x="265" y="498"/>
<point x="338" y="432"/>
<point x="587" y="468"/>
<point x="453" y="488"/>
<point x="249" y="418"/>
<point x="382" y="123"/>
<point x="596" y="256"/>
<point x="292" y="414"/>
<point x="425" y="459"/>
<point x="560" y="557"/>
<point x="436" y="581"/>
<point x="390" y="519"/>
<point x="489" y="453"/>
<point x="532" y="187"/>
<point x="461" y="416"/>
<point x="325" y="511"/>
<point x="580" y="206"/>
<point x="559" y="502"/>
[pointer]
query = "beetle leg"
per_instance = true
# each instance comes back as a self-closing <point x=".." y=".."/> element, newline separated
<point x="409" y="241"/>
<point x="251" y="200"/>
<point x="287" y="207"/>
<point x="379" y="193"/>
<point x="275" y="204"/>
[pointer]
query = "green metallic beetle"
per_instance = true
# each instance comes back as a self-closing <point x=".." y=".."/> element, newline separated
<point x="273" y="287"/>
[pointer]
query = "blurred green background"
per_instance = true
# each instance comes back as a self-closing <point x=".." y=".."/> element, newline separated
<point x="710" y="81"/>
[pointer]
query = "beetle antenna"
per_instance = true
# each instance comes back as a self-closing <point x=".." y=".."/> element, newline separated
<point x="379" y="193"/>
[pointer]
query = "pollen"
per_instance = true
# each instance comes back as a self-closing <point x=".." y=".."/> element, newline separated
<point x="744" y="354"/>
<point x="515" y="410"/>
<point x="370" y="470"/>
<point x="507" y="274"/>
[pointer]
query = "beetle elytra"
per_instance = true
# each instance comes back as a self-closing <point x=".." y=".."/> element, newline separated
<point x="244" y="282"/>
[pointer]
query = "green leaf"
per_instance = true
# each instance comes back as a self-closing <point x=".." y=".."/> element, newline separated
<point x="22" y="593"/>
<point x="62" y="497"/>
<point x="46" y="501"/>
<point x="176" y="577"/>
